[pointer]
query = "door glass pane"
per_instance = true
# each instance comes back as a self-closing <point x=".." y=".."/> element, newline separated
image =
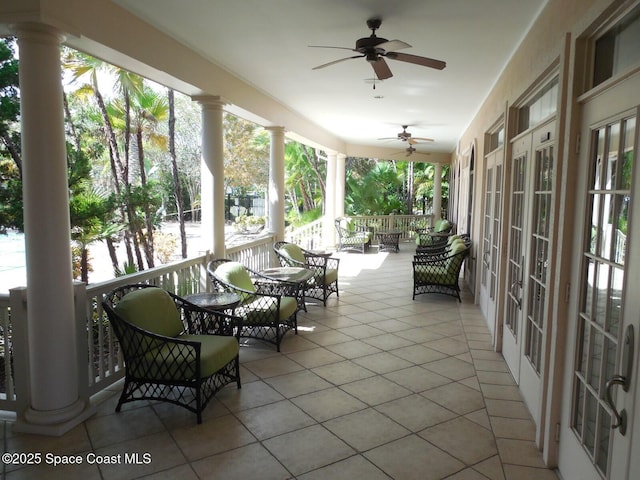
<point x="601" y="294"/>
<point x="594" y="234"/>
<point x="597" y="164"/>
<point x="613" y="143"/>
<point x="620" y="228"/>
<point x="615" y="301"/>
<point x="627" y="153"/>
<point x="595" y="358"/>
<point x="602" y="454"/>
<point x="590" y="273"/>
<point x="583" y="351"/>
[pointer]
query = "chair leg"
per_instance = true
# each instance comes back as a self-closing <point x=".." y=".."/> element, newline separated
<point x="199" y="403"/>
<point x="237" y="363"/>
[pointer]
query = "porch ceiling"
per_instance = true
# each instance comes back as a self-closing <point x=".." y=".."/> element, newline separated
<point x="265" y="43"/>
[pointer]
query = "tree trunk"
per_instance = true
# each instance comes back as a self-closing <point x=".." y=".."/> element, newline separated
<point x="146" y="240"/>
<point x="112" y="253"/>
<point x="84" y="264"/>
<point x="176" y="178"/>
<point x="410" y="169"/>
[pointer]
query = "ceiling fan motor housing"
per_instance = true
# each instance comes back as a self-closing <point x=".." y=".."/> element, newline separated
<point x="367" y="45"/>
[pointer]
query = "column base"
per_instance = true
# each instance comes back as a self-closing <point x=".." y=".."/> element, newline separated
<point x="56" y="422"/>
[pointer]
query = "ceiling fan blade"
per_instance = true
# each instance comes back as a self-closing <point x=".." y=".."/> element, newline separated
<point x="382" y="69"/>
<point x="336" y="61"/>
<point x="393" y="45"/>
<point x="326" y="46"/>
<point x="413" y="140"/>
<point x="424" y="61"/>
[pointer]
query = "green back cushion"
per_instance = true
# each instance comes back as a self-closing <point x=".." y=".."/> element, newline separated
<point x="293" y="252"/>
<point x="441" y="225"/>
<point x="235" y="274"/>
<point x="455" y="260"/>
<point x="151" y="309"/>
<point x="452" y="238"/>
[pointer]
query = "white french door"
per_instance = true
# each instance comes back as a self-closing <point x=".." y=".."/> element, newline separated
<point x="529" y="234"/>
<point x="490" y="255"/>
<point x="605" y="304"/>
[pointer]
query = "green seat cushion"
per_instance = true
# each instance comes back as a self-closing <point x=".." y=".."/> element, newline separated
<point x="293" y="252"/>
<point x="435" y="275"/>
<point x="215" y="351"/>
<point x="263" y="310"/>
<point x="331" y="275"/>
<point x="177" y="362"/>
<point x="151" y="309"/>
<point x="234" y="273"/>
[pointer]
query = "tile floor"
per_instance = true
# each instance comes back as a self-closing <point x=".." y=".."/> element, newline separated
<point x="374" y="386"/>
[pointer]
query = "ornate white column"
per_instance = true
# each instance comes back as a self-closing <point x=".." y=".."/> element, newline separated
<point x="330" y="201"/>
<point x="212" y="173"/>
<point x="437" y="192"/>
<point x="340" y="184"/>
<point x="276" y="182"/>
<point x="54" y="403"/>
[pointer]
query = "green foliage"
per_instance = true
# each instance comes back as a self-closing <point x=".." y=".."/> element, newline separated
<point x="378" y="192"/>
<point x="10" y="197"/>
<point x="305" y="174"/>
<point x="9" y="95"/>
<point x="246" y="155"/>
<point x="126" y="269"/>
<point x="297" y="219"/>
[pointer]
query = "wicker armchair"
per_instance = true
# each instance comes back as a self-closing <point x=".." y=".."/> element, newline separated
<point x="352" y="237"/>
<point x="435" y="236"/>
<point x="440" y="273"/>
<point x="174" y="351"/>
<point x="325" y="279"/>
<point x="268" y="307"/>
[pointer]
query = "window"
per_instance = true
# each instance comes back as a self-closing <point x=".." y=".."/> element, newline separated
<point x="617" y="50"/>
<point x="541" y="106"/>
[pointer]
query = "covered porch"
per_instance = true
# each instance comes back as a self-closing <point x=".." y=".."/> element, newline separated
<point x="375" y="385"/>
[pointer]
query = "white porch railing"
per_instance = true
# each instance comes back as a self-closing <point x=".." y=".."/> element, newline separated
<point x="308" y="236"/>
<point x="402" y="223"/>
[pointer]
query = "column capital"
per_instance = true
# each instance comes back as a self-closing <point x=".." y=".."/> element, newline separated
<point x="342" y="156"/>
<point x="38" y="32"/>
<point x="210" y="101"/>
<point x="276" y="129"/>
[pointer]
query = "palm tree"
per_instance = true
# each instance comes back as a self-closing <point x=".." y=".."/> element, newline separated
<point x="149" y="109"/>
<point x="177" y="188"/>
<point x="81" y="66"/>
<point x="305" y="177"/>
